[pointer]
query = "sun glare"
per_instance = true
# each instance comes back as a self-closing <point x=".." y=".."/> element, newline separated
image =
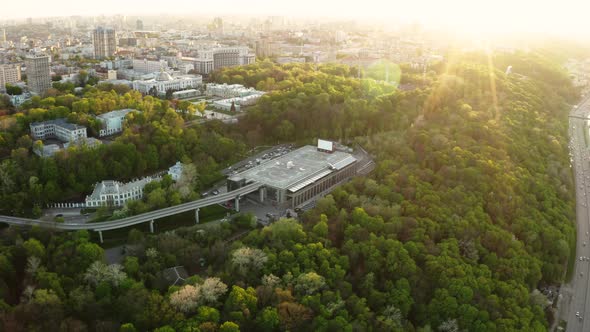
<point x="471" y="17"/>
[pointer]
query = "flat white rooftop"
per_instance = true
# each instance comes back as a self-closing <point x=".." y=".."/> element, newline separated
<point x="115" y="114"/>
<point x="307" y="163"/>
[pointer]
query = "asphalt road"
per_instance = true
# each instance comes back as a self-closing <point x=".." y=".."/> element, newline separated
<point x="138" y="219"/>
<point x="578" y="318"/>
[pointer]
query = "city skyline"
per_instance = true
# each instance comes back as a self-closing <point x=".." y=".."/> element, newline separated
<point x="476" y="17"/>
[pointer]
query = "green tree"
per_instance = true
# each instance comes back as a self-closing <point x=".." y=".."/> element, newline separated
<point x="229" y="327"/>
<point x="127" y="327"/>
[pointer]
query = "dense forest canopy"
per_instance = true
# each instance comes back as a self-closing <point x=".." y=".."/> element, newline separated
<point x="466" y="216"/>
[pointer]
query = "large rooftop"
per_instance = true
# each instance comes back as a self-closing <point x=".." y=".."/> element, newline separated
<point x="115" y="114"/>
<point x="58" y="122"/>
<point x="112" y="187"/>
<point x="307" y="163"/>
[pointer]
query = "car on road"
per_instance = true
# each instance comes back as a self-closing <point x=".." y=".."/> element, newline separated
<point x="215" y="192"/>
<point x="59" y="215"/>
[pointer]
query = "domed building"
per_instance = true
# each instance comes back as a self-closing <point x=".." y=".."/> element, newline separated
<point x="163" y="77"/>
<point x="164" y="82"/>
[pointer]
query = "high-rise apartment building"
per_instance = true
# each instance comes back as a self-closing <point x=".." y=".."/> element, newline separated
<point x="139" y="25"/>
<point x="231" y="56"/>
<point x="104" y="42"/>
<point x="265" y="47"/>
<point x="226" y="58"/>
<point x="38" y="73"/>
<point x="9" y="74"/>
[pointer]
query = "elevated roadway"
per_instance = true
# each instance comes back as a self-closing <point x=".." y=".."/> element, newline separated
<point x="140" y="218"/>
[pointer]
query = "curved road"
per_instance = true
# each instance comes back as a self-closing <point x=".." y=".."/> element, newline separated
<point x="140" y="218"/>
<point x="578" y="317"/>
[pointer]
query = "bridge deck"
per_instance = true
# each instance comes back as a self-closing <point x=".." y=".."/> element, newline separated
<point x="138" y="219"/>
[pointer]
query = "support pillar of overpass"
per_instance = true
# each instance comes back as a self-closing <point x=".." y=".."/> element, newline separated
<point x="237" y="203"/>
<point x="261" y="194"/>
<point x="197" y="215"/>
<point x="151" y="226"/>
<point x="100" y="236"/>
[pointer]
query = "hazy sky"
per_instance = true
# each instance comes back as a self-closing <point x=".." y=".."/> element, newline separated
<point x="563" y="16"/>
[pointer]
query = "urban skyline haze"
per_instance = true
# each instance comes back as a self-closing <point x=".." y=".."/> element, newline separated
<point x="477" y="16"/>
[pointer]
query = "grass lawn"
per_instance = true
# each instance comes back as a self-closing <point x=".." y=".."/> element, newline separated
<point x="207" y="214"/>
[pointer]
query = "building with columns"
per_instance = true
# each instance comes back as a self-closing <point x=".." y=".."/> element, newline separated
<point x="164" y="82"/>
<point x="115" y="193"/>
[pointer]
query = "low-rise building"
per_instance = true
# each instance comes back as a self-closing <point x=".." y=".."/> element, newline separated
<point x="89" y="142"/>
<point x="57" y="128"/>
<point x="115" y="193"/>
<point x="238" y="102"/>
<point x="111" y="74"/>
<point x="112" y="122"/>
<point x="164" y="82"/>
<point x="17" y="100"/>
<point x="175" y="171"/>
<point x="46" y="151"/>
<point x="190" y="93"/>
<point x="229" y="90"/>
<point x="300" y="175"/>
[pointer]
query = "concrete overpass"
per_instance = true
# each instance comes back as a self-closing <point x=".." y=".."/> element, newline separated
<point x="140" y="218"/>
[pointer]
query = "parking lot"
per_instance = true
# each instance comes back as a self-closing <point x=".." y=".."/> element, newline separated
<point x="257" y="159"/>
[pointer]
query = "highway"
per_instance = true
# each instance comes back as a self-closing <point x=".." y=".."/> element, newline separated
<point x="578" y="316"/>
<point x="138" y="219"/>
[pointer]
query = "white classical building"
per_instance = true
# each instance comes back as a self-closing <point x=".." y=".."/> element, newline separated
<point x="112" y="122"/>
<point x="164" y="81"/>
<point x="115" y="193"/>
<point x="57" y="128"/>
<point x="230" y="90"/>
<point x="238" y="102"/>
